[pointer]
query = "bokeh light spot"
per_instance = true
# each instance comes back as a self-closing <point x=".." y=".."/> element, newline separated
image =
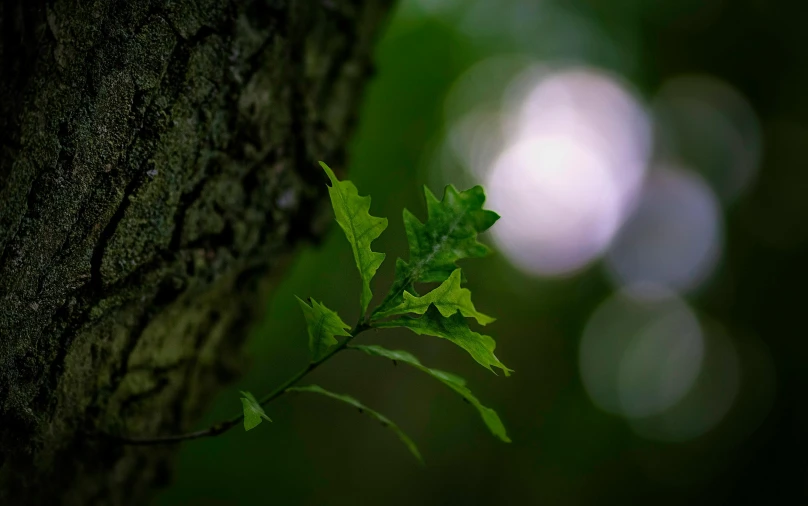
<point x="708" y="125"/>
<point x="575" y="156"/>
<point x="673" y="238"/>
<point x="706" y="404"/>
<point x="641" y="352"/>
<point x="558" y="204"/>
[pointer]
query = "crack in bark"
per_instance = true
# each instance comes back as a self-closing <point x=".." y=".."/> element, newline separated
<point x="96" y="280"/>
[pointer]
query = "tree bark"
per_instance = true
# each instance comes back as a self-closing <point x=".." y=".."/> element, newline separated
<point x="157" y="164"/>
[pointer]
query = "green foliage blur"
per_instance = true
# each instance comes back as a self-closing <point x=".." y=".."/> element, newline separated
<point x="565" y="450"/>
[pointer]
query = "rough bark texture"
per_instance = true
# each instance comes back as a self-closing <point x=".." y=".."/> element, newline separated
<point x="157" y="159"/>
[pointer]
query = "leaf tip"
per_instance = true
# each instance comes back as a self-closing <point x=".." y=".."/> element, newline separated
<point x="329" y="172"/>
<point x="484" y="319"/>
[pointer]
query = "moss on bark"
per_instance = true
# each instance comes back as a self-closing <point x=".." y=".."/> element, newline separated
<point x="157" y="164"/>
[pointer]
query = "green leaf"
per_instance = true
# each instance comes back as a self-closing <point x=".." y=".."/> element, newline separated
<point x="449" y="298"/>
<point x="253" y="412"/>
<point x="323" y="324"/>
<point x="456" y="383"/>
<point x="351" y="211"/>
<point x="449" y="234"/>
<point x="366" y="410"/>
<point x="456" y="330"/>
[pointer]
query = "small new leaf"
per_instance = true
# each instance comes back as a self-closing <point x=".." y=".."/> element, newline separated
<point x="456" y="330"/>
<point x="456" y="383"/>
<point x="253" y="412"/>
<point x="351" y="211"/>
<point x="365" y="410"/>
<point x="323" y="324"/>
<point x="449" y="234"/>
<point x="449" y="298"/>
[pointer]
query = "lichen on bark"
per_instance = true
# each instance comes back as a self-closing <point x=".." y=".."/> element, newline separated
<point x="157" y="165"/>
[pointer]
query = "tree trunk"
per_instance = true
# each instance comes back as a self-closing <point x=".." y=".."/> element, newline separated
<point x="157" y="164"/>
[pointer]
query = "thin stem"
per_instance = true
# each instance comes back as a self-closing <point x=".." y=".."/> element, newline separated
<point x="222" y="427"/>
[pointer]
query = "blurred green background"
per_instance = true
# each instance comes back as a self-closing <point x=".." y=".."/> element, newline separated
<point x="648" y="159"/>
